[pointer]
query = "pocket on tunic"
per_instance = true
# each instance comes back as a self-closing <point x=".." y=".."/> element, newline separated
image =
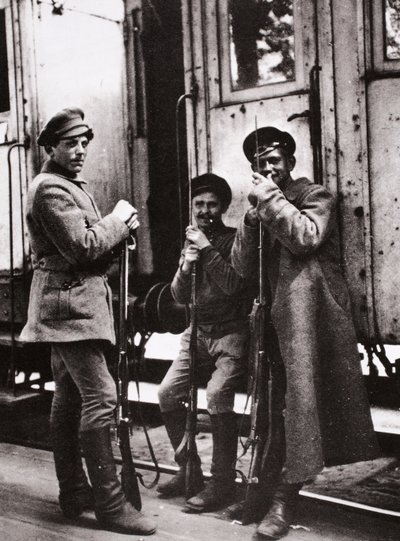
<point x="65" y="297"/>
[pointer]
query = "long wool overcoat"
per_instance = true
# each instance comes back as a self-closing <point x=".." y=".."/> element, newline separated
<point x="70" y="298"/>
<point x="327" y="416"/>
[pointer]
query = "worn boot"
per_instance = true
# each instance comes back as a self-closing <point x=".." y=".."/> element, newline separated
<point x="76" y="495"/>
<point x="221" y="489"/>
<point x="277" y="521"/>
<point x="112" y="509"/>
<point x="175" y="422"/>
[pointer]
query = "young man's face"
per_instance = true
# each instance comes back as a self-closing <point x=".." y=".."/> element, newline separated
<point x="206" y="209"/>
<point x="275" y="163"/>
<point x="70" y="153"/>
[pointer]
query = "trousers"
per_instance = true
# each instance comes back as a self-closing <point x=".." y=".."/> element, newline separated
<point x="224" y="360"/>
<point x="82" y="382"/>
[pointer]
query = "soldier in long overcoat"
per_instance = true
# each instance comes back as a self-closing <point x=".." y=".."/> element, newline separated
<point x="70" y="308"/>
<point x="318" y="394"/>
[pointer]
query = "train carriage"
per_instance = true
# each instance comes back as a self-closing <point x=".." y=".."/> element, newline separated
<point x="325" y="71"/>
<point x="171" y="88"/>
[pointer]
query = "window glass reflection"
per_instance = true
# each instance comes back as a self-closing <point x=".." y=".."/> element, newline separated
<point x="261" y="42"/>
<point x="392" y="29"/>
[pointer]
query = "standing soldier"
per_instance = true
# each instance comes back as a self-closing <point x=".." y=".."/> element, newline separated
<point x="222" y="340"/>
<point x="70" y="307"/>
<point x="319" y="400"/>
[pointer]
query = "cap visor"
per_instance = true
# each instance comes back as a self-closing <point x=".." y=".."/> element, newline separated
<point x="75" y="132"/>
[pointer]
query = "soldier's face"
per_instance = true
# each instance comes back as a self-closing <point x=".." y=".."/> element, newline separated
<point x="207" y="209"/>
<point x="275" y="164"/>
<point x="70" y="153"/>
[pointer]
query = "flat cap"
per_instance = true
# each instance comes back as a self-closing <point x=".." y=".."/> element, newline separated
<point x="215" y="184"/>
<point x="66" y="123"/>
<point x="266" y="139"/>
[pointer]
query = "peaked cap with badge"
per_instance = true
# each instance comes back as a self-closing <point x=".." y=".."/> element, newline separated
<point x="266" y="139"/>
<point x="67" y="123"/>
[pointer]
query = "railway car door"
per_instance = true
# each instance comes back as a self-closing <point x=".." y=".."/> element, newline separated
<point x="13" y="174"/>
<point x="300" y="65"/>
<point x="153" y="37"/>
<point x="137" y="127"/>
<point x="252" y="59"/>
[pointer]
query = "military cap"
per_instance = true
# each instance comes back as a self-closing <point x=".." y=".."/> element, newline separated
<point x="66" y="123"/>
<point x="215" y="184"/>
<point x="266" y="139"/>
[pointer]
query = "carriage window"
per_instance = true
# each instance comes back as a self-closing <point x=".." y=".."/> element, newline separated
<point x="261" y="35"/>
<point x="4" y="88"/>
<point x="385" y="28"/>
<point x="392" y="29"/>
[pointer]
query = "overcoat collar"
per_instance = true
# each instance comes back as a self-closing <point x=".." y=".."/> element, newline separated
<point x="50" y="166"/>
<point x="295" y="188"/>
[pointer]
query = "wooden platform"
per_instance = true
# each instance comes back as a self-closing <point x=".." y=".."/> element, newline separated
<point x="29" y="510"/>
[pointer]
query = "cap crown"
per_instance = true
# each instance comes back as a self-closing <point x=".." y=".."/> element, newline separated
<point x="68" y="122"/>
<point x="260" y="140"/>
<point x="213" y="183"/>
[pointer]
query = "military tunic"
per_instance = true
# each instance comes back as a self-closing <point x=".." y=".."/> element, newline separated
<point x="70" y="299"/>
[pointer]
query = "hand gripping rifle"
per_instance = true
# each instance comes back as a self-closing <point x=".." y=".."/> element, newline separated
<point x="129" y="477"/>
<point x="259" y="391"/>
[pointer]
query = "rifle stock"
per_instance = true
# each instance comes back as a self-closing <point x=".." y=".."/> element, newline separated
<point x="258" y="390"/>
<point x="191" y="415"/>
<point x="129" y="478"/>
<point x="187" y="447"/>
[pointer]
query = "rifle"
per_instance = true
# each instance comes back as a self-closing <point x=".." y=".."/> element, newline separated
<point x="129" y="477"/>
<point x="260" y="393"/>
<point x="188" y="444"/>
<point x="191" y="413"/>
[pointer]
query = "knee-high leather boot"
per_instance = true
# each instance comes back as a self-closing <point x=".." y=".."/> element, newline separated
<point x="277" y="521"/>
<point x="221" y="489"/>
<point x="175" y="422"/>
<point x="75" y="494"/>
<point x="112" y="509"/>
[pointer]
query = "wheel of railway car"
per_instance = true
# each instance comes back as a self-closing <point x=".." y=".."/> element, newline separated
<point x="158" y="312"/>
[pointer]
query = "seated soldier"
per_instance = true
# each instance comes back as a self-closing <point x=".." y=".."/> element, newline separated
<point x="222" y="342"/>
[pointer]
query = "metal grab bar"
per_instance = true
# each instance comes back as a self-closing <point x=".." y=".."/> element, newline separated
<point x="11" y="371"/>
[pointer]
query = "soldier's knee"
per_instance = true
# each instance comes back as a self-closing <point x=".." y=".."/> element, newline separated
<point x="219" y="400"/>
<point x="166" y="398"/>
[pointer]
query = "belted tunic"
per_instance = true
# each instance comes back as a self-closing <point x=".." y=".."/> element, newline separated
<point x="70" y="299"/>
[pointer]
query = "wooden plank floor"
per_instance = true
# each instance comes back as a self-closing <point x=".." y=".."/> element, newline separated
<point x="29" y="510"/>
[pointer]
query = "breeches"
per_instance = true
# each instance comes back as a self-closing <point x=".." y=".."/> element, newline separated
<point x="82" y="382"/>
<point x="223" y="360"/>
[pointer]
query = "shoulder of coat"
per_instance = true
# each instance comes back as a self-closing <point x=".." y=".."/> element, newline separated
<point x="48" y="180"/>
<point x="303" y="188"/>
